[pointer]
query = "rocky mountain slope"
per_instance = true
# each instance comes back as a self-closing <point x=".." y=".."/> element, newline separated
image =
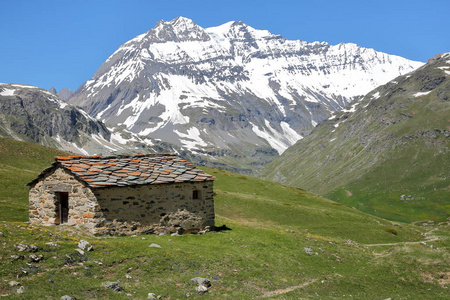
<point x="231" y="95"/>
<point x="387" y="154"/>
<point x="28" y="113"/>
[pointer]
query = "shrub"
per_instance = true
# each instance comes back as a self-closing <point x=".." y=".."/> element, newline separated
<point x="391" y="230"/>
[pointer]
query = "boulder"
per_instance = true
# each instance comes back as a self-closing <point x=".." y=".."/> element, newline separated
<point x="85" y="245"/>
<point x="201" y="281"/>
<point x="113" y="285"/>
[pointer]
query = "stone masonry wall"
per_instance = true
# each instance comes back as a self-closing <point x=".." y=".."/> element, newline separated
<point x="118" y="210"/>
<point x="44" y="205"/>
<point x="140" y="208"/>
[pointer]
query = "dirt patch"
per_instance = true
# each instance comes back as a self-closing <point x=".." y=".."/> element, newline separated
<point x="287" y="290"/>
<point x="442" y="278"/>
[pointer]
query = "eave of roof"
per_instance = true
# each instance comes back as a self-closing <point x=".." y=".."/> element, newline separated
<point x="99" y="171"/>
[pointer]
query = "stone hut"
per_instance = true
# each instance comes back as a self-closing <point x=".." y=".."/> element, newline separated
<point x="123" y="194"/>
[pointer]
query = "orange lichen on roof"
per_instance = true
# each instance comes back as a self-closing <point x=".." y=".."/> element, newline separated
<point x="66" y="157"/>
<point x="119" y="174"/>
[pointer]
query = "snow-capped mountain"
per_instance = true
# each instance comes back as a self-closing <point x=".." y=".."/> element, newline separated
<point x="232" y="89"/>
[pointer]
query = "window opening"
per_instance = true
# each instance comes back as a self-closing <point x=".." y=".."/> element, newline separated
<point x="196" y="194"/>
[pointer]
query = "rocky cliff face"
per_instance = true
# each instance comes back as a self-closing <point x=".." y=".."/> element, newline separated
<point x="32" y="114"/>
<point x="229" y="89"/>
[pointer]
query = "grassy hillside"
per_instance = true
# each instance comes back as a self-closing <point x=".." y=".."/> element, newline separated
<point x="393" y="142"/>
<point x="284" y="243"/>
<point x="19" y="164"/>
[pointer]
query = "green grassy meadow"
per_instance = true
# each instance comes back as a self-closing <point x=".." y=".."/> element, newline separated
<point x="283" y="243"/>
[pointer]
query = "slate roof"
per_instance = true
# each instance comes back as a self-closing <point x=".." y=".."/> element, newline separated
<point x="100" y="171"/>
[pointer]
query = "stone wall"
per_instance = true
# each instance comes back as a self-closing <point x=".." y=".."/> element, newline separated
<point x="141" y="208"/>
<point x="119" y="210"/>
<point x="44" y="204"/>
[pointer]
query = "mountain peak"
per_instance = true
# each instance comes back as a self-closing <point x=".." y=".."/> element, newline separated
<point x="182" y="22"/>
<point x="180" y="29"/>
<point x="240" y="30"/>
<point x="52" y="90"/>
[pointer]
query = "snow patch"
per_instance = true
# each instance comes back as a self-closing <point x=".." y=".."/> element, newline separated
<point x="24" y="86"/>
<point x="84" y="152"/>
<point x="268" y="136"/>
<point x="7" y="92"/>
<point x="337" y="124"/>
<point x="351" y="109"/>
<point x="290" y="134"/>
<point x="192" y="139"/>
<point x="280" y="141"/>
<point x="421" y="94"/>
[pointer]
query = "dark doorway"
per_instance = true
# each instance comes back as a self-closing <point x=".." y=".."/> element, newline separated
<point x="62" y="212"/>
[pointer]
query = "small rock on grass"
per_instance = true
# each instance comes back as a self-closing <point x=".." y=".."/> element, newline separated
<point x="85" y="245"/>
<point x="80" y="251"/>
<point x="36" y="258"/>
<point x="14" y="283"/>
<point x="153" y="296"/>
<point x="201" y="289"/>
<point x="155" y="246"/>
<point x="67" y="297"/>
<point x="308" y="250"/>
<point x="31" y="248"/>
<point x="113" y="285"/>
<point x="201" y="281"/>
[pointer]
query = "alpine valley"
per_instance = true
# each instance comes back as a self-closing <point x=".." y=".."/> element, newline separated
<point x="229" y="96"/>
<point x="368" y="130"/>
<point x="386" y="154"/>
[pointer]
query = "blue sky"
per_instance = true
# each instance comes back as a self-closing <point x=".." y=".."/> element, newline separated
<point x="62" y="43"/>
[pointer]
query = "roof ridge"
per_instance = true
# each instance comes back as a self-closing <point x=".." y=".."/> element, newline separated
<point x="59" y="158"/>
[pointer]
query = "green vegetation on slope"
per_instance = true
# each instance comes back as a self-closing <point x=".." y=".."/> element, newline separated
<point x="395" y="143"/>
<point x="244" y="263"/>
<point x="284" y="243"/>
<point x="19" y="164"/>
